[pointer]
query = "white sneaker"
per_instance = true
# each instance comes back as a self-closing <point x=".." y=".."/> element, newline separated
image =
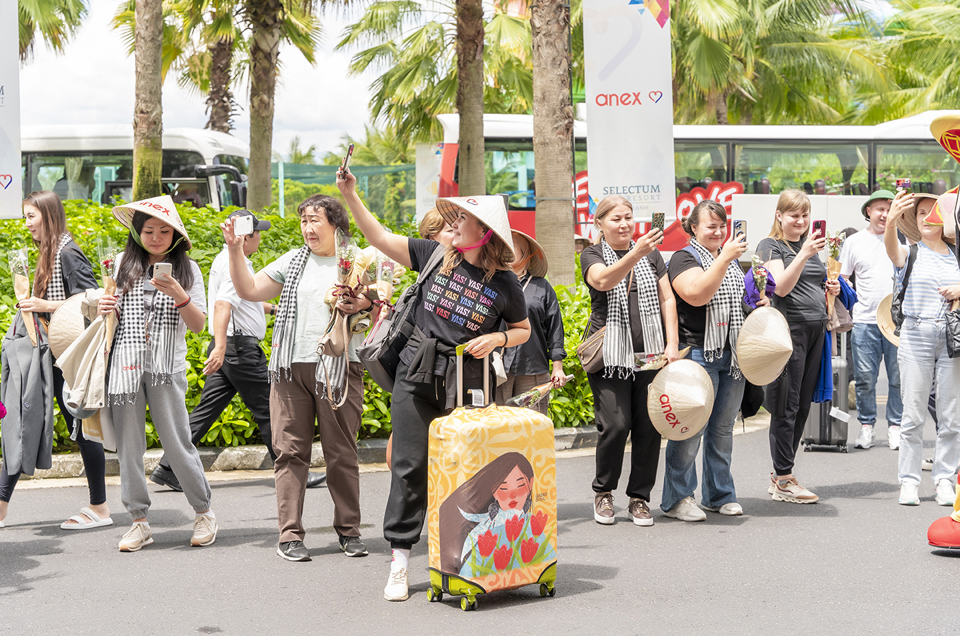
<point x="396" y="589"/>
<point x="926" y="464"/>
<point x="687" y="510"/>
<point x="893" y="437"/>
<point x="137" y="536"/>
<point x="865" y="440"/>
<point x="204" y="530"/>
<point x="946" y="495"/>
<point x="772" y="488"/>
<point x="909" y="495"/>
<point x="732" y="509"/>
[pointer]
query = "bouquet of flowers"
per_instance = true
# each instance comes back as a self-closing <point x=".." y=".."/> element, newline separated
<point x="834" y="243"/>
<point x="529" y="399"/>
<point x="20" y="270"/>
<point x="759" y="276"/>
<point x="107" y="252"/>
<point x="654" y="361"/>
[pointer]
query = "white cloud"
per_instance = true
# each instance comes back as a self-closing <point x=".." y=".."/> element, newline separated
<point x="93" y="83"/>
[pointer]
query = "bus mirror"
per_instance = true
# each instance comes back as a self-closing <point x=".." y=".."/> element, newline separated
<point x="238" y="192"/>
<point x="212" y="171"/>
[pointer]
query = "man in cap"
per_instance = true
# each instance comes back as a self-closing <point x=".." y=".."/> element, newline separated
<point x="864" y="256"/>
<point x="235" y="360"/>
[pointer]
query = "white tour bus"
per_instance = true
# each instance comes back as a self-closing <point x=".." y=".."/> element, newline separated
<point x="96" y="163"/>
<point x="744" y="167"/>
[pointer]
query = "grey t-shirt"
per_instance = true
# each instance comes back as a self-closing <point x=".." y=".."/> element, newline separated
<point x="313" y="314"/>
<point x="807" y="300"/>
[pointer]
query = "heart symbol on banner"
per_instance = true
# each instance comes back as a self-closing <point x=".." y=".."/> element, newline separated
<point x="655" y="96"/>
<point x="5" y="180"/>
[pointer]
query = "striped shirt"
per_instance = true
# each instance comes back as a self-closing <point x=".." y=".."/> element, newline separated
<point x="930" y="271"/>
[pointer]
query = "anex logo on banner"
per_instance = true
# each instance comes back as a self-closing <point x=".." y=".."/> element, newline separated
<point x="11" y="196"/>
<point x="629" y="103"/>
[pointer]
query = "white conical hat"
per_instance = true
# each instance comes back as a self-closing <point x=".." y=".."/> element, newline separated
<point x="680" y="399"/>
<point x="885" y="320"/>
<point x="158" y="207"/>
<point x="538" y="259"/>
<point x="764" y="346"/>
<point x="489" y="209"/>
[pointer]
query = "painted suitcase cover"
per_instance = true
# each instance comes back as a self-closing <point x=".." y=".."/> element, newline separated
<point x="492" y="502"/>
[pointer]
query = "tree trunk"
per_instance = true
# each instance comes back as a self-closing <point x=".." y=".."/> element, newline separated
<point x="265" y="17"/>
<point x="470" y="96"/>
<point x="220" y="98"/>
<point x="148" y="108"/>
<point x="553" y="137"/>
<point x="720" y="107"/>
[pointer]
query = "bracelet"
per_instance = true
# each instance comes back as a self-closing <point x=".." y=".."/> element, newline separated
<point x="506" y="339"/>
<point x="273" y="310"/>
<point x="183" y="304"/>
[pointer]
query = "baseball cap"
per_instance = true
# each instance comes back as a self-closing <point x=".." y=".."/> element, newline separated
<point x="258" y="224"/>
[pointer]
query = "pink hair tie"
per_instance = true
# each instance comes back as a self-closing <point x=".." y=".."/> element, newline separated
<point x="486" y="239"/>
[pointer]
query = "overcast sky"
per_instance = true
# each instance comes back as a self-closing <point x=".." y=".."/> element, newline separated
<point x="93" y="83"/>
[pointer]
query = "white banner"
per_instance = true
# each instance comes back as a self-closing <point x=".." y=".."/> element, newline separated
<point x="428" y="177"/>
<point x="629" y="104"/>
<point x="11" y="196"/>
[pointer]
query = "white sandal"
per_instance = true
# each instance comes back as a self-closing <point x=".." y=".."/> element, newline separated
<point x="93" y="520"/>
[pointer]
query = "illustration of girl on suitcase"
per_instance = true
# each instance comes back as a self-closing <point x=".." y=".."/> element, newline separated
<point x="488" y="525"/>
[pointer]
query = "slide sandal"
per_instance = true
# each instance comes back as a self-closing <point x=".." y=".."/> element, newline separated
<point x="93" y="520"/>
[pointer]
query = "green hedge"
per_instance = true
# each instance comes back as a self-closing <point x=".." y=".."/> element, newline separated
<point x="571" y="406"/>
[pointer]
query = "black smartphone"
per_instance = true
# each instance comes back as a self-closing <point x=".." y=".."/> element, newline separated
<point x="346" y="160"/>
<point x="820" y="227"/>
<point x="739" y="227"/>
<point x="658" y="221"/>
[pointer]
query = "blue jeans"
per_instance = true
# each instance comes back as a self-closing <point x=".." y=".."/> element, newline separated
<point x="869" y="346"/>
<point x="680" y="474"/>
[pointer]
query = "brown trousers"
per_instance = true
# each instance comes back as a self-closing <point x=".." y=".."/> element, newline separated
<point x="294" y="407"/>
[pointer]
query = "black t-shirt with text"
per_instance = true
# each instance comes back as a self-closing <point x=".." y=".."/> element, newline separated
<point x="807" y="300"/>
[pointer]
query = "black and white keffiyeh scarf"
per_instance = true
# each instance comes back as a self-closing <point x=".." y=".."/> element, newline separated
<point x="724" y="311"/>
<point x="618" y="353"/>
<point x="136" y="332"/>
<point x="55" y="290"/>
<point x="284" y="328"/>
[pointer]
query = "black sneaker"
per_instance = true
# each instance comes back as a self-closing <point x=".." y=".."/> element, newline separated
<point x="293" y="551"/>
<point x="353" y="547"/>
<point x="165" y="477"/>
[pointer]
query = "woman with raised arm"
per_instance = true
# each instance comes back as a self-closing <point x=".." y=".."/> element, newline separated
<point x="790" y="256"/>
<point x="929" y="288"/>
<point x="462" y="302"/>
<point x="630" y="295"/>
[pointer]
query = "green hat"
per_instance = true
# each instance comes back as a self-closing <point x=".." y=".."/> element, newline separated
<point x="879" y="194"/>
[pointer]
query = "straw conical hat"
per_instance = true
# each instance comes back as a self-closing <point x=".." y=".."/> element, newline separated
<point x="538" y="260"/>
<point x="66" y="325"/>
<point x="885" y="320"/>
<point x="158" y="207"/>
<point x="946" y="130"/>
<point x="907" y="223"/>
<point x="680" y="399"/>
<point x="489" y="209"/>
<point x="764" y="345"/>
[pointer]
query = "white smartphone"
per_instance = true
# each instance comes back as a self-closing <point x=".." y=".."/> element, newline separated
<point x="243" y="225"/>
<point x="162" y="268"/>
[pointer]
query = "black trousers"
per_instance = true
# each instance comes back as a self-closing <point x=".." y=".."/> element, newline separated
<point x="413" y="407"/>
<point x="620" y="406"/>
<point x="789" y="397"/>
<point x="244" y="371"/>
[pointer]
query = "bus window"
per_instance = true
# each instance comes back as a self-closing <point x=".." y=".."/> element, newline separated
<point x="509" y="170"/>
<point x="814" y="168"/>
<point x="928" y="166"/>
<point x="223" y="180"/>
<point x="193" y="191"/>
<point x="75" y="176"/>
<point x="697" y="164"/>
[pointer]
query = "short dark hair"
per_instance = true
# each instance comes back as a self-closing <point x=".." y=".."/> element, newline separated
<point x="336" y="215"/>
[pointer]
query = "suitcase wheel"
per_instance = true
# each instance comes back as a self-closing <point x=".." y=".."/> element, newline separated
<point x="468" y="603"/>
<point x="434" y="595"/>
<point x="843" y="448"/>
<point x="547" y="589"/>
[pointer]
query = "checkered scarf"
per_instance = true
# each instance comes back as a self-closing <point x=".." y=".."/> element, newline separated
<point x="55" y="290"/>
<point x="130" y="344"/>
<point x="618" y="354"/>
<point x="284" y="328"/>
<point x="724" y="312"/>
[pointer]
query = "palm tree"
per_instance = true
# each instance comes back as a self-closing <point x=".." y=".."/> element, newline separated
<point x="469" y="14"/>
<point x="55" y="20"/>
<point x="377" y="148"/>
<point x="148" y="107"/>
<point x="299" y="155"/>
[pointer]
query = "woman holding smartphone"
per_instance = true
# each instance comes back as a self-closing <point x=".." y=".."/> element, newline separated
<point x="790" y="256"/>
<point x="148" y="361"/>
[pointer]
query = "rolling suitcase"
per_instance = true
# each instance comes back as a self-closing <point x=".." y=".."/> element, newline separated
<point x="492" y="499"/>
<point x="826" y="426"/>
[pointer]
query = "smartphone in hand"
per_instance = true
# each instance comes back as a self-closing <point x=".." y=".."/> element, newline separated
<point x="903" y="184"/>
<point x="162" y="268"/>
<point x="346" y="159"/>
<point x="739" y="227"/>
<point x="243" y="225"/>
<point x="658" y="221"/>
<point x="820" y="227"/>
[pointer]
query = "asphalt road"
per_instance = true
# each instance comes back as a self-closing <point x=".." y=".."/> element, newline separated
<point x="855" y="563"/>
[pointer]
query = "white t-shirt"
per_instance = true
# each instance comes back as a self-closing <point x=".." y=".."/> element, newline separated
<point x="864" y="254"/>
<point x="247" y="316"/>
<point x="313" y="315"/>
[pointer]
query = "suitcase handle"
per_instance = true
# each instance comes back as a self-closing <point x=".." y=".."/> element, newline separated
<point x="486" y="376"/>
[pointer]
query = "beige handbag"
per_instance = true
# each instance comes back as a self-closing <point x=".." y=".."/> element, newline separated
<point x="590" y="350"/>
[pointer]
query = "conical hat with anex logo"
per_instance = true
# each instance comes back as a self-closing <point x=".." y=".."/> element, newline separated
<point x="158" y="207"/>
<point x="489" y="209"/>
<point x="764" y="346"/>
<point x="680" y="400"/>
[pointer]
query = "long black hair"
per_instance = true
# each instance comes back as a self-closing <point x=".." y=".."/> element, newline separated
<point x="136" y="260"/>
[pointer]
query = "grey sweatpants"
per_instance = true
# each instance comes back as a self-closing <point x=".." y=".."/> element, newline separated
<point x="169" y="413"/>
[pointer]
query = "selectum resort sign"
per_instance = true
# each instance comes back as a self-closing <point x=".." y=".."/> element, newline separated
<point x="10" y="182"/>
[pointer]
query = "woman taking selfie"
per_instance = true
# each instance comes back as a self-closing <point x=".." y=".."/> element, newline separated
<point x="630" y="295"/>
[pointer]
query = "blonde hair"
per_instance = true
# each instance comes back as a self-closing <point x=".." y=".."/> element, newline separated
<point x="789" y="200"/>
<point x="431" y="224"/>
<point x="494" y="256"/>
<point x="605" y="207"/>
